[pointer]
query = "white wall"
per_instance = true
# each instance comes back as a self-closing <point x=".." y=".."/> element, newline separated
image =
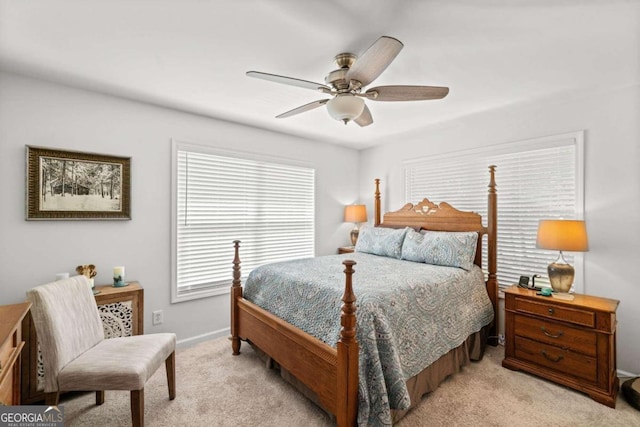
<point x="33" y="112"/>
<point x="612" y="182"/>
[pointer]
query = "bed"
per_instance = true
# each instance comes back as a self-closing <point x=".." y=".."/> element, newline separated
<point x="374" y="373"/>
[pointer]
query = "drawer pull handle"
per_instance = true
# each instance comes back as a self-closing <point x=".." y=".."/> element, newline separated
<point x="555" y="360"/>
<point x="551" y="310"/>
<point x="544" y="331"/>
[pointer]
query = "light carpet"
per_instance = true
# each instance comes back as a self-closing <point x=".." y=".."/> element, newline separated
<point x="215" y="388"/>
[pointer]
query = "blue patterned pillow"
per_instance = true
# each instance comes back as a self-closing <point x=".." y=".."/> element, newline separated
<point x="381" y="241"/>
<point x="448" y="248"/>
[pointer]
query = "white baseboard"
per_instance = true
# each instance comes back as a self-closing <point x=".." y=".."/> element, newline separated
<point x="191" y="341"/>
<point x="625" y="374"/>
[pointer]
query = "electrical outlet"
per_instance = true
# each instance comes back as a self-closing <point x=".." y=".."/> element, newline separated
<point x="157" y="317"/>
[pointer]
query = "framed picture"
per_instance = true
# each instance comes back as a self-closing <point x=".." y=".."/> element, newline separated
<point x="71" y="185"/>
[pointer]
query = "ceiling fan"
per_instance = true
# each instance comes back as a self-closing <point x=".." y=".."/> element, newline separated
<point x="346" y="84"/>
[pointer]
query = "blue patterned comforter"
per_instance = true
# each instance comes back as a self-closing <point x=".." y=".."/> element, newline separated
<point x="408" y="315"/>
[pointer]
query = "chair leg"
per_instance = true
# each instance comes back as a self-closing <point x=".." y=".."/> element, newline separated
<point x="137" y="408"/>
<point x="51" y="399"/>
<point x="99" y="397"/>
<point x="170" y="364"/>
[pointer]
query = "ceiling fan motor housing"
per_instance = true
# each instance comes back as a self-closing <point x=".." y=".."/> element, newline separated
<point x="336" y="79"/>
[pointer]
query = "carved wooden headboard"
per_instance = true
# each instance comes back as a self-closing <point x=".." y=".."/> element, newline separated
<point x="427" y="215"/>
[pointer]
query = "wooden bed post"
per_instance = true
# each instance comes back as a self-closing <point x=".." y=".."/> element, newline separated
<point x="348" y="351"/>
<point x="492" y="253"/>
<point x="376" y="216"/>
<point x="236" y="294"/>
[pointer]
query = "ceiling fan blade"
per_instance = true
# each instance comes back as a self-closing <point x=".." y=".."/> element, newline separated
<point x="364" y="119"/>
<point x="303" y="108"/>
<point x="406" y="93"/>
<point x="287" y="80"/>
<point x="374" y="60"/>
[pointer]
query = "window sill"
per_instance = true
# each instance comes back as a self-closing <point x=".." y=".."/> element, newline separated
<point x="204" y="293"/>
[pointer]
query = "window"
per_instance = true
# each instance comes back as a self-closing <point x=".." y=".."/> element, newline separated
<point x="219" y="197"/>
<point x="536" y="179"/>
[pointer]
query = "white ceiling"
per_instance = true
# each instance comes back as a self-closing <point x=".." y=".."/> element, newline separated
<point x="192" y="55"/>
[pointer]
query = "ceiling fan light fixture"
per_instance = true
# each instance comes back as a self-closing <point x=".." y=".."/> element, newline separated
<point x="345" y="107"/>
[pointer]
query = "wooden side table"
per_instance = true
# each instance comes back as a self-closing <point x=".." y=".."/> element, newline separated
<point x="572" y="343"/>
<point x="122" y="314"/>
<point x="346" y="249"/>
<point x="11" y="345"/>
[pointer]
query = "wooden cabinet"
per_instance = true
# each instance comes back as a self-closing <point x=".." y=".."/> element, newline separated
<point x="121" y="310"/>
<point x="122" y="314"/>
<point x="346" y="249"/>
<point x="572" y="343"/>
<point x="11" y="345"/>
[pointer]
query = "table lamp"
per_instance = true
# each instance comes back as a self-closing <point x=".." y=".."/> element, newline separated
<point x="562" y="235"/>
<point x="355" y="214"/>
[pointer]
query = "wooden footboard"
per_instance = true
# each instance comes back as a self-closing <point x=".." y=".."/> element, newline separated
<point x="332" y="373"/>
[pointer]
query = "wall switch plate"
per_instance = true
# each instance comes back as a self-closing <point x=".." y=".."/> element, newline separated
<point x="157" y="317"/>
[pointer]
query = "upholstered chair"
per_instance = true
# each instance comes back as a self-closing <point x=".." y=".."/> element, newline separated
<point x="76" y="355"/>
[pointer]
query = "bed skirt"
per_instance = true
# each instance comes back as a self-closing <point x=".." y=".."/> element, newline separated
<point x="472" y="349"/>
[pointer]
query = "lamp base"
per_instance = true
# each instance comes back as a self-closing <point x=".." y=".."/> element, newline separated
<point x="560" y="275"/>
<point x="354" y="236"/>
<point x="563" y="296"/>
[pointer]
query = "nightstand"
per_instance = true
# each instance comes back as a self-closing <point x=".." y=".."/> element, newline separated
<point x="346" y="249"/>
<point x="572" y="343"/>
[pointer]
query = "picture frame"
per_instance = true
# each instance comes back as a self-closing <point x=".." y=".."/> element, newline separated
<point x="74" y="185"/>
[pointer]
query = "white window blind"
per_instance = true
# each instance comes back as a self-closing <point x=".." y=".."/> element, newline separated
<point x="540" y="179"/>
<point x="269" y="206"/>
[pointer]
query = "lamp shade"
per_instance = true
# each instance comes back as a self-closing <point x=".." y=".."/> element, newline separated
<point x="355" y="213"/>
<point x="345" y="107"/>
<point x="562" y="235"/>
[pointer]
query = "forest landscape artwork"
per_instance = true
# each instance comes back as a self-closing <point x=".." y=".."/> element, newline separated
<point x="70" y="185"/>
<point x="74" y="185"/>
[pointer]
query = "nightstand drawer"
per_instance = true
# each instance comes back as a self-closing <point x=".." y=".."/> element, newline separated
<point x="556" y="312"/>
<point x="557" y="334"/>
<point x="556" y="358"/>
